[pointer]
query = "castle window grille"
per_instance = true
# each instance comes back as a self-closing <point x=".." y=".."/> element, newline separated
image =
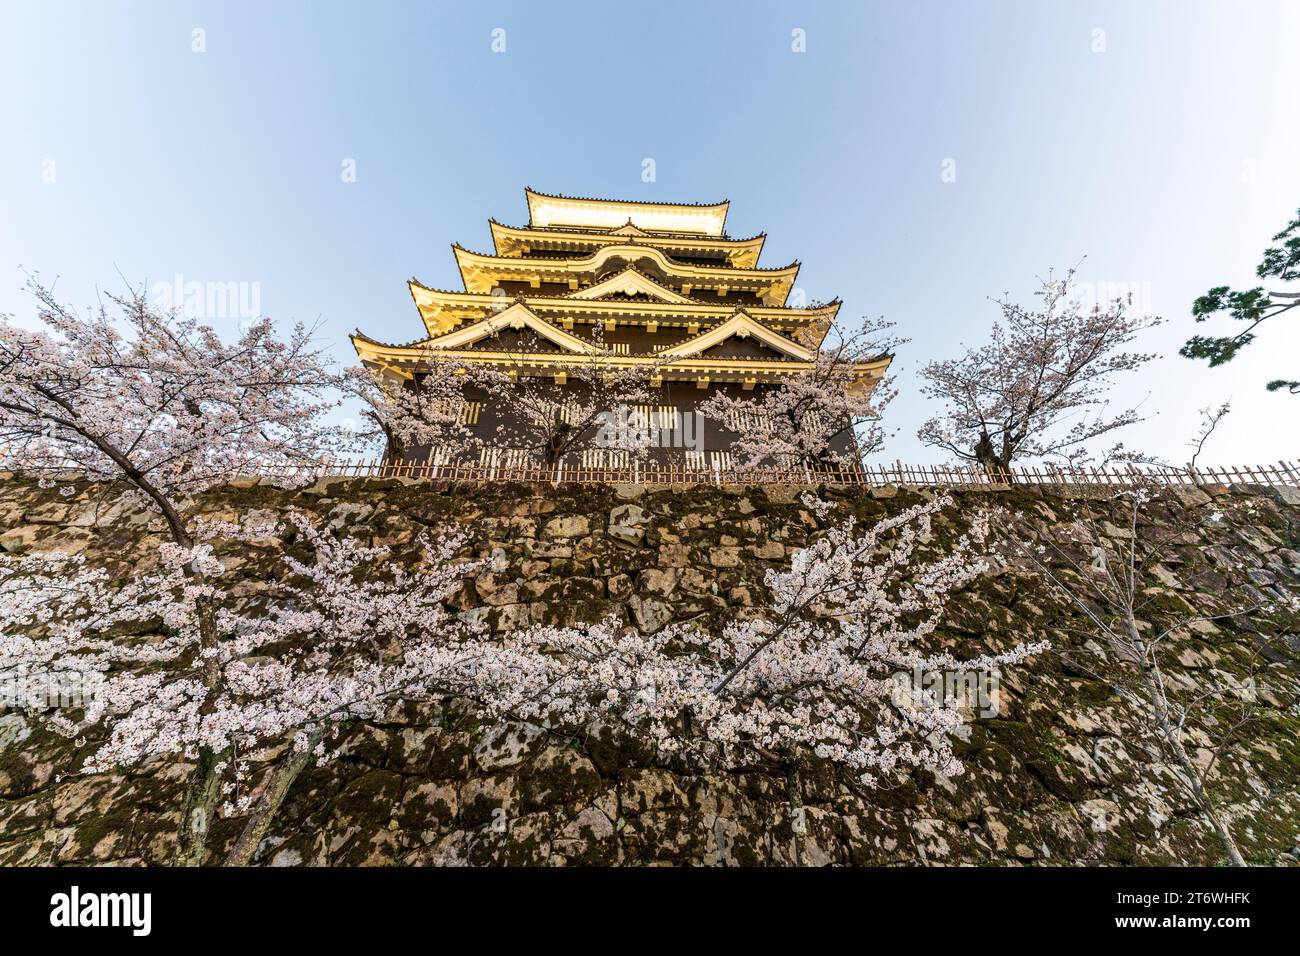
<point x="503" y="458"/>
<point x="461" y="413"/>
<point x="662" y="417"/>
<point x="546" y="414"/>
<point x="600" y="458"/>
<point x="743" y="420"/>
<point x="440" y="455"/>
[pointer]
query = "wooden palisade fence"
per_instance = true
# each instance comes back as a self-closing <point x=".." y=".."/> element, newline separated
<point x="1282" y="473"/>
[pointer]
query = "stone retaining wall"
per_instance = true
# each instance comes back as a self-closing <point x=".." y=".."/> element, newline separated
<point x="1051" y="780"/>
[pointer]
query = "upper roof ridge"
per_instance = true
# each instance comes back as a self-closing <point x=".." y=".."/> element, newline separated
<point x="555" y="209"/>
<point x="626" y="202"/>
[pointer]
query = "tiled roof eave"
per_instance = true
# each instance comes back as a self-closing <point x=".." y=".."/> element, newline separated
<point x="597" y="232"/>
<point x="566" y="302"/>
<point x="629" y="202"/>
<point x="682" y="365"/>
<point x="520" y="263"/>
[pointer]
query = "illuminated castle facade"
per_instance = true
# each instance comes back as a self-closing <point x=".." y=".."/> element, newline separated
<point x="660" y="284"/>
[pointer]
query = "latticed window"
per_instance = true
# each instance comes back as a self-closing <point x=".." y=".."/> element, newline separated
<point x="462" y="413"/>
<point x="604" y="458"/>
<point x="713" y="460"/>
<point x="546" y="414"/>
<point x="743" y="420"/>
<point x="664" y="417"/>
<point x="620" y="348"/>
<point x="503" y="458"/>
<point x="440" y="455"/>
<point x="739" y="420"/>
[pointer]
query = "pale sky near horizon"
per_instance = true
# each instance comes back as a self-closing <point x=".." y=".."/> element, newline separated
<point x="1159" y="140"/>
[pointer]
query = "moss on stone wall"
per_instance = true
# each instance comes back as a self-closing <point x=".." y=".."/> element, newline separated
<point x="1053" y="779"/>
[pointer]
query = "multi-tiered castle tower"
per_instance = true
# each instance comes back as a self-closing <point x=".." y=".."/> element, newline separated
<point x="661" y="284"/>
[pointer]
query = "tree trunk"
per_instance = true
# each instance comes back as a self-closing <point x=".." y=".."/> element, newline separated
<point x="557" y="444"/>
<point x="1229" y="842"/>
<point x="394" y="449"/>
<point x="798" y="817"/>
<point x="1204" y="801"/>
<point x="997" y="467"/>
<point x="282" y="778"/>
<point x="201" y="795"/>
<point x="204" y="786"/>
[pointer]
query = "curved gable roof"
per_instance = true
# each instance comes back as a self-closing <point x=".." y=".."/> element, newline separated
<point x="740" y="324"/>
<point x="516" y="316"/>
<point x="630" y="282"/>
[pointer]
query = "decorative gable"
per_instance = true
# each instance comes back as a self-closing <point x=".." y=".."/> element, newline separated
<point x="630" y="229"/>
<point x="743" y="326"/>
<point x="517" y="317"/>
<point x="629" y="283"/>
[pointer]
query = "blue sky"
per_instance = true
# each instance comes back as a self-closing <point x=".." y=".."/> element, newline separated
<point x="1168" y="158"/>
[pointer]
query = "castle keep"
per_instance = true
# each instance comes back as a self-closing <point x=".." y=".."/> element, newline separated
<point x="659" y="285"/>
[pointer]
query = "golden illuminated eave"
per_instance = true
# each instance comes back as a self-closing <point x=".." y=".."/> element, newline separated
<point x="547" y="210"/>
<point x="443" y="310"/>
<point x="407" y="360"/>
<point x="481" y="273"/>
<point x="662" y="279"/>
<point x="518" y="242"/>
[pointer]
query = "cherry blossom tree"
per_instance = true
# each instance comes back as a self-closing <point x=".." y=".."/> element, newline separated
<point x="346" y="631"/>
<point x="164" y="407"/>
<point x="128" y="395"/>
<point x="1013" y="397"/>
<point x="817" y="671"/>
<point x="1211" y="418"/>
<point x="342" y="634"/>
<point x="806" y="419"/>
<point x="401" y="412"/>
<point x="1185" y="720"/>
<point x="541" y="417"/>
